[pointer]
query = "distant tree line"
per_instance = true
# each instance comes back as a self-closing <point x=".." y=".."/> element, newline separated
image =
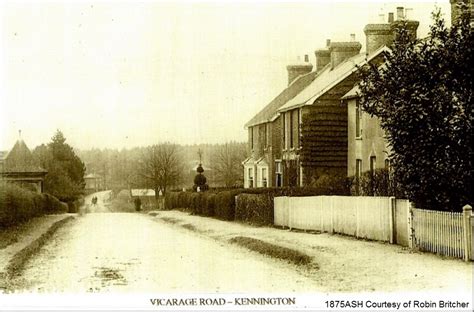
<point x="166" y="166"/>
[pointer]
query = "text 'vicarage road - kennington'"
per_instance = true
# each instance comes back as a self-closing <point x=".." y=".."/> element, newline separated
<point x="221" y="301"/>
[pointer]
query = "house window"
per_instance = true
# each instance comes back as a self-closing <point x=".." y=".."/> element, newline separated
<point x="265" y="138"/>
<point x="269" y="134"/>
<point x="278" y="174"/>
<point x="373" y="165"/>
<point x="290" y="115"/>
<point x="283" y="127"/>
<point x="264" y="177"/>
<point x="299" y="128"/>
<point x="250" y="175"/>
<point x="357" y="119"/>
<point x="251" y="138"/>
<point x="387" y="164"/>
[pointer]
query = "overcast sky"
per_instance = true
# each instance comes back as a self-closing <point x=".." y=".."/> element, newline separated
<point x="129" y="74"/>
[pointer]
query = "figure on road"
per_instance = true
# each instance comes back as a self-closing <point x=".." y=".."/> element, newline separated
<point x="138" y="204"/>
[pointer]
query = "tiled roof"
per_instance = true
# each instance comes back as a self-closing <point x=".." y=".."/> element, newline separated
<point x="20" y="159"/>
<point x="328" y="79"/>
<point x="270" y="110"/>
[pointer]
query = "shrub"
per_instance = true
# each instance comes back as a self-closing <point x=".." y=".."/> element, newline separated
<point x="195" y="203"/>
<point x="209" y="207"/>
<point x="184" y="200"/>
<point x="171" y="200"/>
<point x="332" y="185"/>
<point x="16" y="205"/>
<point x="224" y="208"/>
<point x="378" y="183"/>
<point x="72" y="207"/>
<point x="53" y="205"/>
<point x="255" y="208"/>
<point x="19" y="205"/>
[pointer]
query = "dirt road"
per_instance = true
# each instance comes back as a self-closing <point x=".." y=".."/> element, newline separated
<point x="129" y="252"/>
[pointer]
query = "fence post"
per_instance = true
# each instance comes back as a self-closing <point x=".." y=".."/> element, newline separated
<point x="472" y="240"/>
<point x="392" y="218"/>
<point x="331" y="204"/>
<point x="467" y="211"/>
<point x="411" y="232"/>
<point x="290" y="225"/>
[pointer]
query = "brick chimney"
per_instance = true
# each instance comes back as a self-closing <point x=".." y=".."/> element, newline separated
<point x="378" y="35"/>
<point x="323" y="56"/>
<point x="456" y="10"/>
<point x="411" y="25"/>
<point x="341" y="51"/>
<point x="298" y="69"/>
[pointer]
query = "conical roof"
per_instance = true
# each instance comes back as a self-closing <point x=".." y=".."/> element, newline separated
<point x="20" y="159"/>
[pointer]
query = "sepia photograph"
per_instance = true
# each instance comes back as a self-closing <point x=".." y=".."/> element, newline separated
<point x="236" y="155"/>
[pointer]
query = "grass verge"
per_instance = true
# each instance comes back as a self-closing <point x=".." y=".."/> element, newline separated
<point x="272" y="250"/>
<point x="170" y="220"/>
<point x="17" y="263"/>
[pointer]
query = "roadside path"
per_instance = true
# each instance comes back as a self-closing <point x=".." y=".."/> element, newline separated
<point x="345" y="263"/>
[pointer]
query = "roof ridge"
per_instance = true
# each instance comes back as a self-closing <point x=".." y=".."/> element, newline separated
<point x="252" y="123"/>
<point x="325" y="86"/>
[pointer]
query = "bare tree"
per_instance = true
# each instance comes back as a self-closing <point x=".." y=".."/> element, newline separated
<point x="161" y="166"/>
<point x="227" y="163"/>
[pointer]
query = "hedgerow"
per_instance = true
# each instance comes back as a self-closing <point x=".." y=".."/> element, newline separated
<point x="18" y="205"/>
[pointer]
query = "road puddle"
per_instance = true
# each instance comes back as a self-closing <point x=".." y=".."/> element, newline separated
<point x="109" y="276"/>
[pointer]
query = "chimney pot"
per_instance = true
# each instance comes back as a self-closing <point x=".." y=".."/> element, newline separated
<point x="298" y="69"/>
<point x="390" y="17"/>
<point x="306" y="58"/>
<point x="400" y="14"/>
<point x="328" y="42"/>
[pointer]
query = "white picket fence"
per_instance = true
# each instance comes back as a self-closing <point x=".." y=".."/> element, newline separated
<point x="381" y="218"/>
<point x="362" y="217"/>
<point x="439" y="232"/>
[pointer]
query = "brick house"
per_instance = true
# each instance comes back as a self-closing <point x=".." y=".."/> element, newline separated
<point x="18" y="166"/>
<point x="310" y="129"/>
<point x="264" y="166"/>
<point x="367" y="148"/>
<point x="94" y="182"/>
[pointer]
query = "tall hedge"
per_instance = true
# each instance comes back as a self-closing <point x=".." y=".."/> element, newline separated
<point x="225" y="205"/>
<point x="253" y="205"/>
<point x="254" y="208"/>
<point x="18" y="205"/>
